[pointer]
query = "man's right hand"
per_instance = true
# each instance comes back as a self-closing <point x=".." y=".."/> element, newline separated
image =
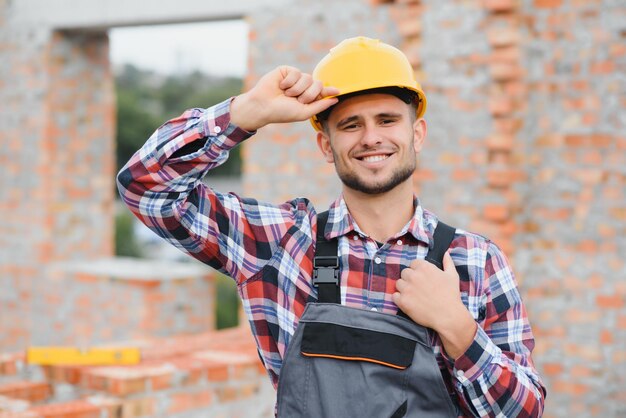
<point x="285" y="94"/>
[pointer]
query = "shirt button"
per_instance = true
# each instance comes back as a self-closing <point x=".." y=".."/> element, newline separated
<point x="356" y="237"/>
<point x="374" y="309"/>
<point x="377" y="260"/>
<point x="399" y="242"/>
<point x="217" y="129"/>
<point x="460" y="373"/>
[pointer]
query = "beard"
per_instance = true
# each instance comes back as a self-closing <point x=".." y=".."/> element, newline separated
<point x="398" y="176"/>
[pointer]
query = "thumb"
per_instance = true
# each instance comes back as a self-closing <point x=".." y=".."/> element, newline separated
<point x="448" y="263"/>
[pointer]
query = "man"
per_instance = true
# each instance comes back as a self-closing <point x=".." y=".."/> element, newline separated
<point x="350" y="319"/>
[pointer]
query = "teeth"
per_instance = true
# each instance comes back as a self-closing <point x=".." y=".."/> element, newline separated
<point x="374" y="158"/>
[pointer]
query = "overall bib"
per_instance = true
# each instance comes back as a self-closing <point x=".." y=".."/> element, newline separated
<point x="345" y="362"/>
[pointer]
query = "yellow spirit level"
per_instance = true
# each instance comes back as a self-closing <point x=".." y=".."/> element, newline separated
<point x="73" y="356"/>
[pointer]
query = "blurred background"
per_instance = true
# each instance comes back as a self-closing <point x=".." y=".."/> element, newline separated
<point x="526" y="145"/>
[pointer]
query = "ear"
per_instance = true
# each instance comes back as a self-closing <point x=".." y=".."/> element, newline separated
<point x="419" y="130"/>
<point x="323" y="142"/>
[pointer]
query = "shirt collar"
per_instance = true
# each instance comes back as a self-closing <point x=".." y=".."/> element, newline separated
<point x="340" y="222"/>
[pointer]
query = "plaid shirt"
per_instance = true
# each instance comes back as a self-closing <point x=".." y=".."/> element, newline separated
<point x="268" y="250"/>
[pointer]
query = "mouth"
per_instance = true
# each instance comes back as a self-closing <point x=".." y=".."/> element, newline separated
<point x="373" y="158"/>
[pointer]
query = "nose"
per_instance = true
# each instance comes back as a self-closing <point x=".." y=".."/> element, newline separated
<point x="371" y="137"/>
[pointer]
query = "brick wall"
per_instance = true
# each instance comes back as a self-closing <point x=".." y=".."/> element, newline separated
<point x="22" y="202"/>
<point x="525" y="145"/>
<point x="571" y="245"/>
<point x="57" y="132"/>
<point x="121" y="299"/>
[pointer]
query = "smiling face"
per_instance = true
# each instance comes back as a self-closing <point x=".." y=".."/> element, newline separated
<point x="373" y="140"/>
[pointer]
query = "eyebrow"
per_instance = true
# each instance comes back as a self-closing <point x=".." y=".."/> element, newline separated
<point x="355" y="118"/>
<point x="347" y="121"/>
<point x="389" y="115"/>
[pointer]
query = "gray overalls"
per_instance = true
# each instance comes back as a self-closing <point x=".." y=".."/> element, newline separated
<point x="345" y="362"/>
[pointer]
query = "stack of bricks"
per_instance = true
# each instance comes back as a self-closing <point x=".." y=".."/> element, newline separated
<point x="114" y="299"/>
<point x="216" y="374"/>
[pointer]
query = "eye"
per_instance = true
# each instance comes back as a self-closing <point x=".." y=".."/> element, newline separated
<point x="350" y="127"/>
<point x="387" y="121"/>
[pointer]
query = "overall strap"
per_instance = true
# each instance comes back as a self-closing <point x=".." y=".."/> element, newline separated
<point x="326" y="264"/>
<point x="442" y="238"/>
<point x="326" y="259"/>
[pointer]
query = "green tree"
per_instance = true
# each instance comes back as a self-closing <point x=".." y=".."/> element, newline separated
<point x="145" y="100"/>
<point x="227" y="301"/>
<point x="126" y="244"/>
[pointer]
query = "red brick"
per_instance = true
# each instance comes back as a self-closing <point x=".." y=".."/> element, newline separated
<point x="186" y="401"/>
<point x="548" y="4"/>
<point x="590" y="176"/>
<point x="580" y="371"/>
<point x="606" y="337"/>
<point x="464" y="174"/>
<point x="570" y="388"/>
<point x="580" y="316"/>
<point x="506" y="71"/>
<point x="610" y="301"/>
<point x="501" y="106"/>
<point x="139" y="407"/>
<point x="552" y="369"/>
<point x="496" y="212"/>
<point x="603" y="67"/>
<point x="409" y="27"/>
<point x="503" y="36"/>
<point x="72" y="409"/>
<point x="8" y="363"/>
<point x="500" y="142"/>
<point x="502" y="178"/>
<point x="29" y="391"/>
<point x="422" y="174"/>
<point x="500" y="5"/>
<point x="594" y="140"/>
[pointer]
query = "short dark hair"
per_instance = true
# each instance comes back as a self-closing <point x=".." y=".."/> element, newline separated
<point x="409" y="97"/>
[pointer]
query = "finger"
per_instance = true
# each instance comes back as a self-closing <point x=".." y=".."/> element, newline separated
<point x="415" y="264"/>
<point x="320" y="105"/>
<point x="303" y="83"/>
<point x="290" y="76"/>
<point x="448" y="263"/>
<point x="329" y="91"/>
<point x="396" y="297"/>
<point x="401" y="285"/>
<point x="311" y="93"/>
<point x="407" y="274"/>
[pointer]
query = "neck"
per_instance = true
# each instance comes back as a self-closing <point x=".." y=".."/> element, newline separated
<point x="383" y="215"/>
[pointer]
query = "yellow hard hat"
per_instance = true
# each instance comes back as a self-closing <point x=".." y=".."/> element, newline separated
<point x="361" y="63"/>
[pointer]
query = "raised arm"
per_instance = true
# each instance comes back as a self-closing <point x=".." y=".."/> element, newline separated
<point x="161" y="184"/>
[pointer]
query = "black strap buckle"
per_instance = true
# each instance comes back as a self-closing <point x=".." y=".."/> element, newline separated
<point x="325" y="276"/>
<point x="326" y="261"/>
<point x="325" y="270"/>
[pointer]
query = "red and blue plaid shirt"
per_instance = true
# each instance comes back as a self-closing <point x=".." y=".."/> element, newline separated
<point x="268" y="250"/>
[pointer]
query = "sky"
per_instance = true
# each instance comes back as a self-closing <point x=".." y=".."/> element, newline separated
<point x="218" y="48"/>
